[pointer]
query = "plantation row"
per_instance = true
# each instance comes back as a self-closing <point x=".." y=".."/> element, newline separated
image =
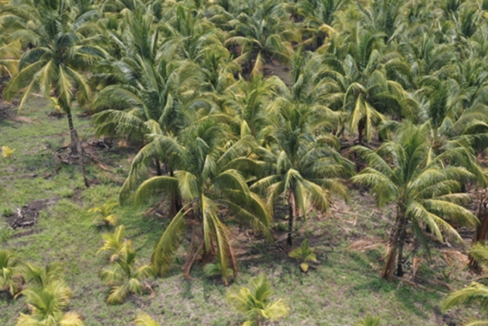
<point x="390" y="95"/>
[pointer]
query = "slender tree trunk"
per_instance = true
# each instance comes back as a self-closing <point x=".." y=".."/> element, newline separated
<point x="394" y="245"/>
<point x="175" y="200"/>
<point x="75" y="141"/>
<point x="159" y="172"/>
<point x="361" y="125"/>
<point x="76" y="150"/>
<point x="401" y="243"/>
<point x="291" y="217"/>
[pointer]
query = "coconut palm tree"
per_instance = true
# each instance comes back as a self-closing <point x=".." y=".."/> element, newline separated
<point x="302" y="168"/>
<point x="424" y="189"/>
<point x="359" y="86"/>
<point x="11" y="278"/>
<point x="201" y="159"/>
<point x="123" y="277"/>
<point x="61" y="49"/>
<point x="9" y="57"/>
<point x="262" y="34"/>
<point x="254" y="301"/>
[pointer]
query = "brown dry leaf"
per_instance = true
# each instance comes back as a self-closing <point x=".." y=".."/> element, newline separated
<point x="452" y="256"/>
<point x="363" y="245"/>
<point x="23" y="119"/>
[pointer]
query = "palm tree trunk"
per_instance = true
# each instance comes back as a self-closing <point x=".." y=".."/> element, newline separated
<point x="291" y="217"/>
<point x="174" y="200"/>
<point x="361" y="126"/>
<point x="159" y="172"/>
<point x="75" y="147"/>
<point x="401" y="242"/>
<point x="75" y="141"/>
<point x="395" y="245"/>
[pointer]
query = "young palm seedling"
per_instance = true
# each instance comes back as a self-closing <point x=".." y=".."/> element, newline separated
<point x="123" y="277"/>
<point x="47" y="298"/>
<point x="11" y="278"/>
<point x="304" y="254"/>
<point x="105" y="214"/>
<point x="369" y="321"/>
<point x="254" y="301"/>
<point x="113" y="243"/>
<point x="144" y="319"/>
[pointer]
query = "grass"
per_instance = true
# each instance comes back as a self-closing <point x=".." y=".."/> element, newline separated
<point x="341" y="289"/>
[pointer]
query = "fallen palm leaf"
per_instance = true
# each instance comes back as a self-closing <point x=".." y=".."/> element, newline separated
<point x="363" y="245"/>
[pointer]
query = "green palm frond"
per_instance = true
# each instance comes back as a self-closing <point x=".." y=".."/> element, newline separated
<point x="164" y="250"/>
<point x="113" y="242"/>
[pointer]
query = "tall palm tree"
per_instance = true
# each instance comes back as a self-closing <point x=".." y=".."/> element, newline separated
<point x="61" y="49"/>
<point x="424" y="189"/>
<point x="359" y="85"/>
<point x="262" y="34"/>
<point x="201" y="159"/>
<point x="300" y="167"/>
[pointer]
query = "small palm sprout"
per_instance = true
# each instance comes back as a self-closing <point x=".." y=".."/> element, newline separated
<point x="7" y="151"/>
<point x="305" y="254"/>
<point x="104" y="214"/>
<point x="212" y="269"/>
<point x="254" y="302"/>
<point x="123" y="277"/>
<point x="144" y="319"/>
<point x="369" y="321"/>
<point x="113" y="242"/>
<point x="11" y="278"/>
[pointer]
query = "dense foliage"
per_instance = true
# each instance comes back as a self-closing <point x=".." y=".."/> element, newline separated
<point x="242" y="107"/>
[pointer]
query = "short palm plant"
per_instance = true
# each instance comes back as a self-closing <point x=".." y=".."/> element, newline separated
<point x="474" y="293"/>
<point x="113" y="242"/>
<point x="144" y="319"/>
<point x="369" y="321"/>
<point x="254" y="301"/>
<point x="123" y="277"/>
<point x="304" y="254"/>
<point x="104" y="214"/>
<point x="11" y="278"/>
<point x="46" y="305"/>
<point x="42" y="276"/>
<point x="47" y="297"/>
